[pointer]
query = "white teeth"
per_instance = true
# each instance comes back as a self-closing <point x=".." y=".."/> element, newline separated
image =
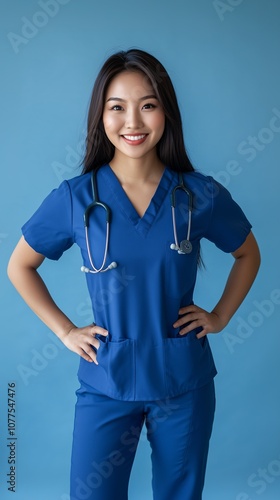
<point x="134" y="137"/>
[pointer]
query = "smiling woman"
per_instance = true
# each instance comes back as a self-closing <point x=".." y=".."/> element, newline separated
<point x="155" y="84"/>
<point x="137" y="119"/>
<point x="149" y="343"/>
<point x="134" y="123"/>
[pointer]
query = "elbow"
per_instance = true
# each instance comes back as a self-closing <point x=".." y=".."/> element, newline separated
<point x="256" y="256"/>
<point x="11" y="270"/>
<point x="259" y="259"/>
<point x="254" y="259"/>
<point x="14" y="267"/>
<point x="249" y="254"/>
<point x="22" y="260"/>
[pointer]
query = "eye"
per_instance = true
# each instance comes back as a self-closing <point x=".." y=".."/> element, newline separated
<point x="149" y="105"/>
<point x="116" y="107"/>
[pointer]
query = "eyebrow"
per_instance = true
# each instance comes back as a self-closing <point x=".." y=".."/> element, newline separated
<point x="151" y="96"/>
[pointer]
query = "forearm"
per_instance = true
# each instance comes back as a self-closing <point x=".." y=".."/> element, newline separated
<point x="239" y="282"/>
<point x="22" y="271"/>
<point x="33" y="290"/>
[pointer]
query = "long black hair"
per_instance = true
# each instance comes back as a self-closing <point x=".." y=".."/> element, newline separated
<point x="171" y="148"/>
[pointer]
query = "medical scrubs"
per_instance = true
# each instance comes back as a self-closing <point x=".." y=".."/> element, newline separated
<point x="144" y="365"/>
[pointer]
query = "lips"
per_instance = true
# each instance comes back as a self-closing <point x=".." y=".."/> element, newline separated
<point x="135" y="140"/>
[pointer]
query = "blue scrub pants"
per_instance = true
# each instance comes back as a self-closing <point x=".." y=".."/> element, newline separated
<point x="107" y="431"/>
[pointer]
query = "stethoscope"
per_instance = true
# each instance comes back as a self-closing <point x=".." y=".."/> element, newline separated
<point x="184" y="247"/>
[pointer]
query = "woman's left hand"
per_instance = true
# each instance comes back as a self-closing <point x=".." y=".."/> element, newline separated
<point x="197" y="317"/>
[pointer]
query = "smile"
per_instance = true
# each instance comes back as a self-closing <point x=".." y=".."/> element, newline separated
<point x="135" y="139"/>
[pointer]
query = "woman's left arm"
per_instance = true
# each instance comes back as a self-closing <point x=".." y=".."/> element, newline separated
<point x="239" y="282"/>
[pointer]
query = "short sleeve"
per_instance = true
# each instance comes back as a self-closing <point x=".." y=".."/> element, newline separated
<point x="49" y="230"/>
<point x="228" y="227"/>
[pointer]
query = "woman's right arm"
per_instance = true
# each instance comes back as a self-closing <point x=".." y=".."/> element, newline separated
<point x="22" y="271"/>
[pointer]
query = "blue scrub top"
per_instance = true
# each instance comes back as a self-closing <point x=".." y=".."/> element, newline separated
<point x="143" y="357"/>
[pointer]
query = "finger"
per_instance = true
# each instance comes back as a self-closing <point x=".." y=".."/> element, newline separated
<point x="99" y="330"/>
<point x="81" y="352"/>
<point x="187" y="318"/>
<point x="85" y="346"/>
<point x="202" y="334"/>
<point x="89" y="354"/>
<point x="188" y="309"/>
<point x="182" y="321"/>
<point x="85" y="338"/>
<point x="185" y="310"/>
<point x="92" y="341"/>
<point x="190" y="327"/>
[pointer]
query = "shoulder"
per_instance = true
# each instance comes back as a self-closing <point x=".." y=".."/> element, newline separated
<point x="200" y="181"/>
<point x="75" y="187"/>
<point x="207" y="192"/>
<point x="204" y="188"/>
<point x="77" y="182"/>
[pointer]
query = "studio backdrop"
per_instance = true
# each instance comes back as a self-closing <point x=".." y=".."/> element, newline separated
<point x="223" y="57"/>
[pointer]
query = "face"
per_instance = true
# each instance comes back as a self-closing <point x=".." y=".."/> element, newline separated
<point x="133" y="117"/>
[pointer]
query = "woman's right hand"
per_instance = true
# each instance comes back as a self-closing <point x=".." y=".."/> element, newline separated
<point x="82" y="340"/>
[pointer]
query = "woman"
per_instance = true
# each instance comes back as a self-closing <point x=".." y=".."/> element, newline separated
<point x="146" y="359"/>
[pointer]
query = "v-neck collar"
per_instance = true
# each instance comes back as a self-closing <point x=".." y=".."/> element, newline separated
<point x="144" y="223"/>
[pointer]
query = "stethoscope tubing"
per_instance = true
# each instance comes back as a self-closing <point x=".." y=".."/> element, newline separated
<point x="97" y="203"/>
<point x="101" y="269"/>
<point x="184" y="247"/>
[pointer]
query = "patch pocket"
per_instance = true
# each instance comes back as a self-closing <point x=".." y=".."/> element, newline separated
<point x="183" y="362"/>
<point x="117" y="360"/>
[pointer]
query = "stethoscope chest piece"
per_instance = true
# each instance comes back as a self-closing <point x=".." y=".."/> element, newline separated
<point x="185" y="247"/>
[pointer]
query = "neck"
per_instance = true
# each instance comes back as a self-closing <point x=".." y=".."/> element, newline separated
<point x="134" y="170"/>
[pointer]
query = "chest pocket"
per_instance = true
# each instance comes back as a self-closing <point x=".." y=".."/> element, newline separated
<point x="180" y="270"/>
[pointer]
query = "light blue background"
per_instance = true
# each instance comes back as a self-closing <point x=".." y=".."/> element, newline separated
<point x="223" y="58"/>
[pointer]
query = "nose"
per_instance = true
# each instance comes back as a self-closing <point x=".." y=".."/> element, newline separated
<point x="133" y="118"/>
